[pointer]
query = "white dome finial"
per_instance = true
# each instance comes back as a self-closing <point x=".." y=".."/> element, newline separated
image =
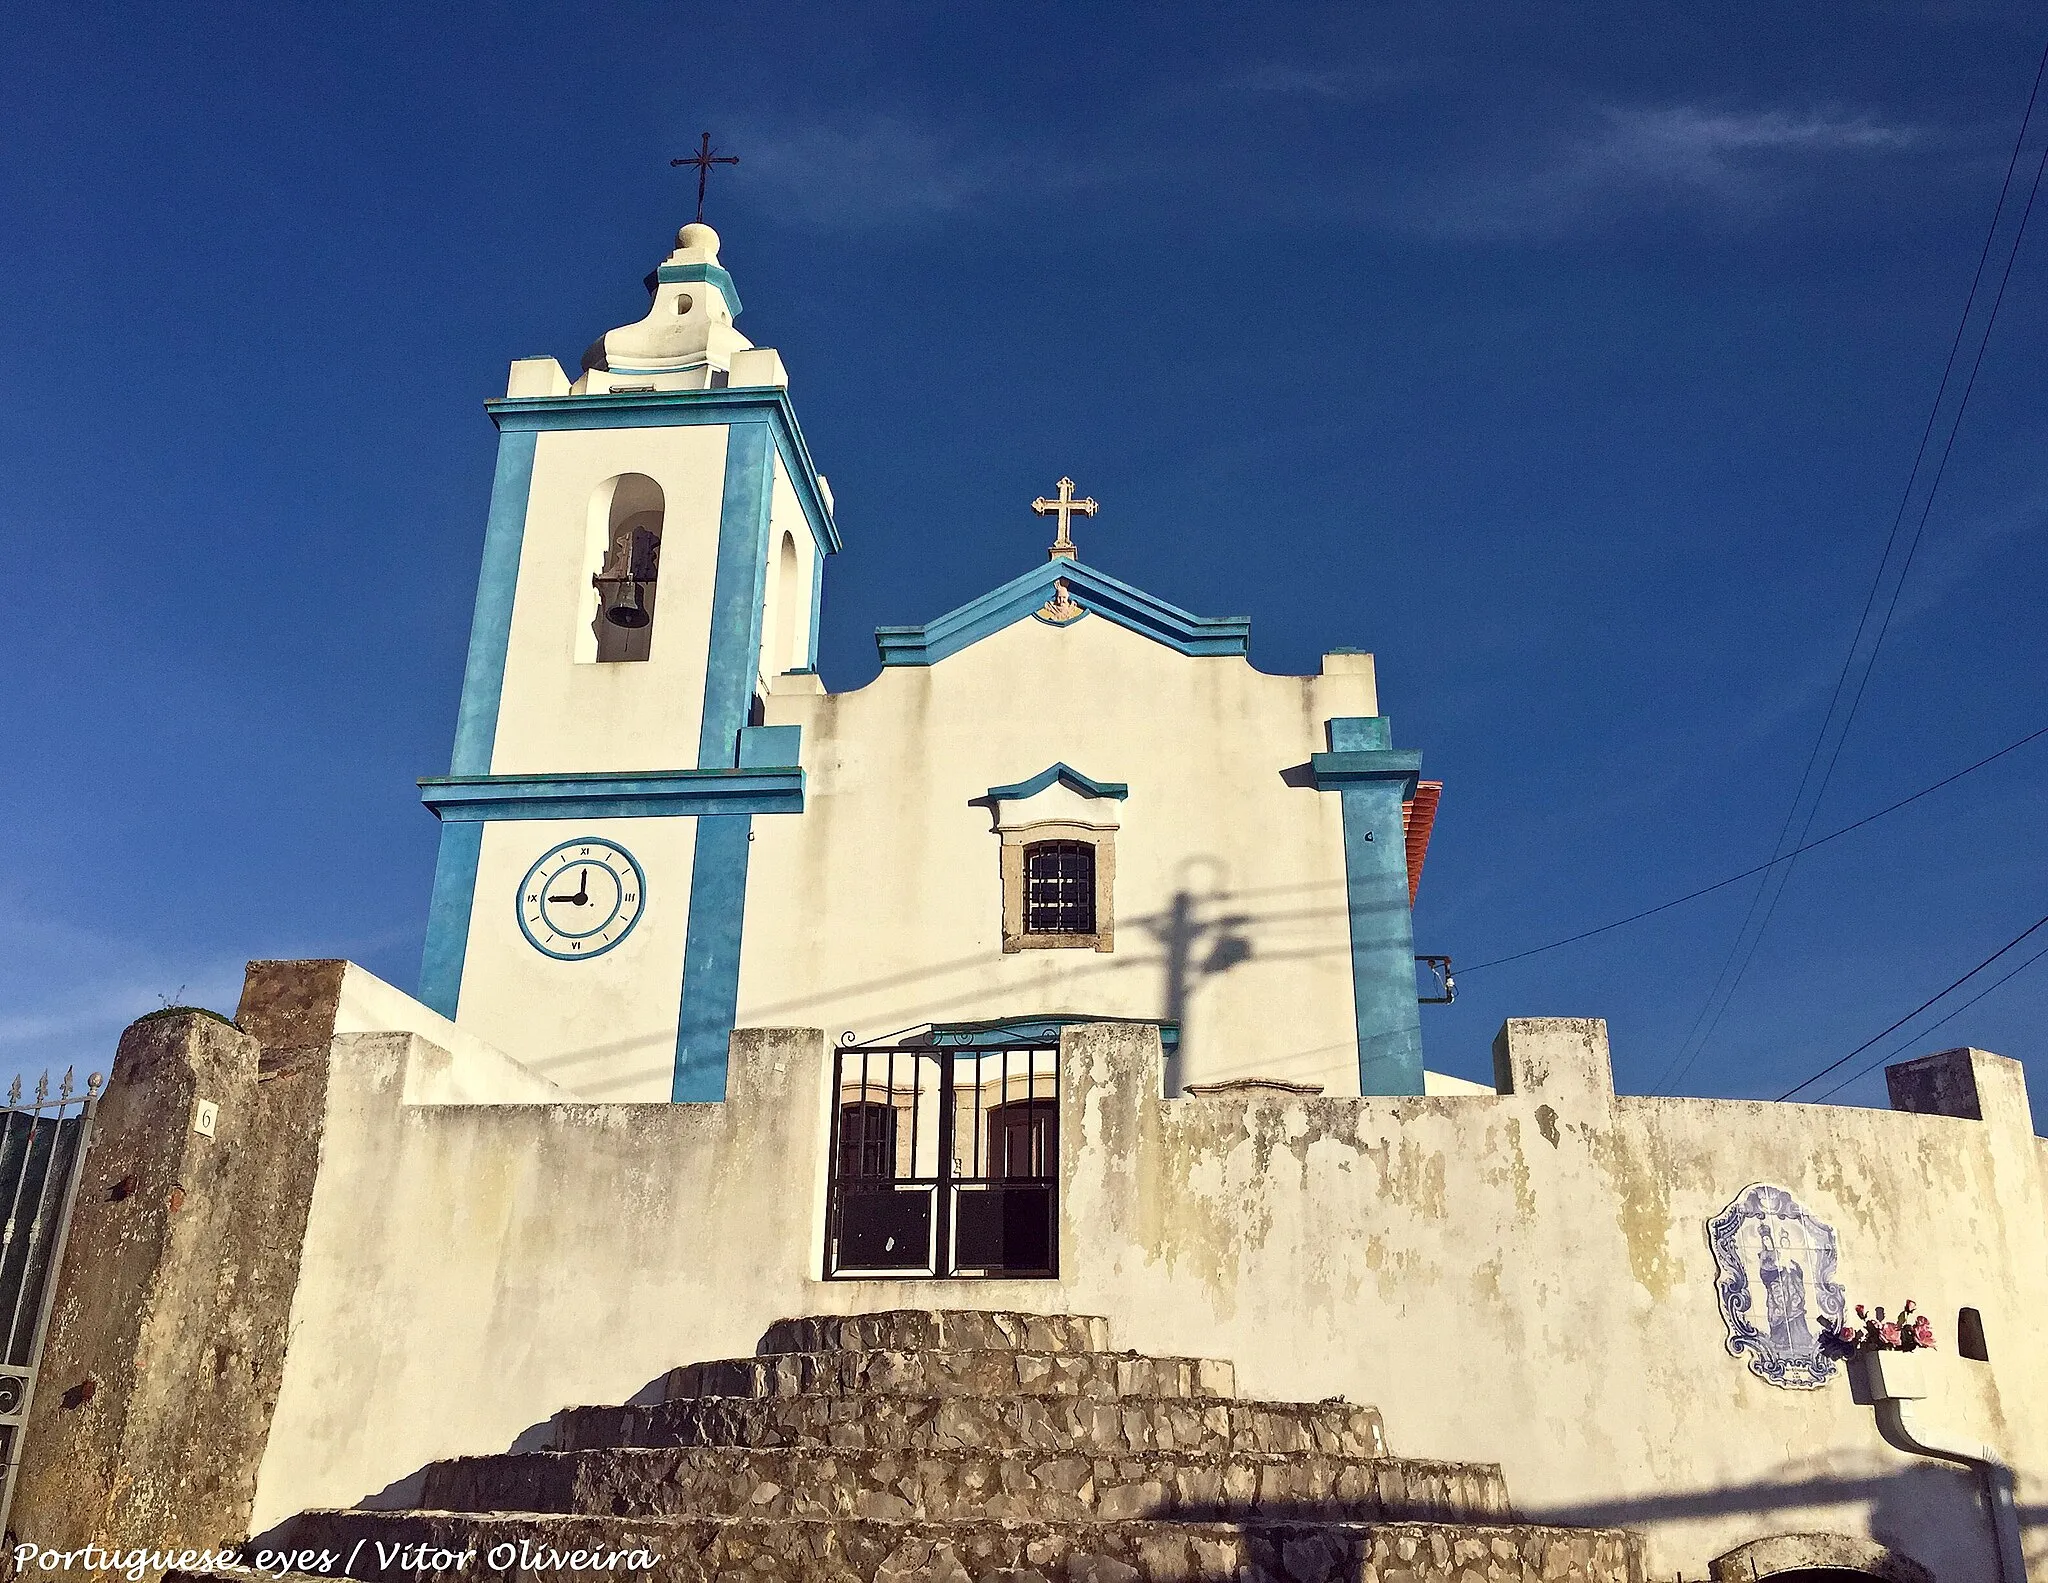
<point x="699" y="241"/>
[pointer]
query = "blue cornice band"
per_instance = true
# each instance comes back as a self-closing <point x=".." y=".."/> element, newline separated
<point x="1011" y="1032"/>
<point x="1072" y="779"/>
<point x="1100" y="593"/>
<point x="683" y="274"/>
<point x="661" y="409"/>
<point x="1335" y="771"/>
<point x="643" y="795"/>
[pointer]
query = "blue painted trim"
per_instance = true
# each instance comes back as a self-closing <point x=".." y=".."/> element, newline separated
<point x="1359" y="733"/>
<point x="490" y="627"/>
<point x="661" y="409"/>
<point x="1335" y="771"/>
<point x="1011" y="1032"/>
<point x="447" y="943"/>
<point x="1102" y="594"/>
<point x="711" y="958"/>
<point x="770" y="747"/>
<point x="684" y="274"/>
<point x="1072" y="779"/>
<point x="576" y="954"/>
<point x="1372" y="780"/>
<point x="646" y="794"/>
<point x="738" y="591"/>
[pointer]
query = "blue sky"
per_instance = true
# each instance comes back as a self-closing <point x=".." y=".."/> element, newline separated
<point x="1572" y="359"/>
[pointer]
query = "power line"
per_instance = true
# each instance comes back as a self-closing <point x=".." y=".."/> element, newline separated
<point x="1895" y="1027"/>
<point x="1924" y="1032"/>
<point x="1681" y="1061"/>
<point x="1732" y="879"/>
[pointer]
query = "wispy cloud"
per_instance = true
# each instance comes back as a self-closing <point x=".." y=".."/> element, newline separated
<point x="1717" y="148"/>
<point x="1334" y="84"/>
<point x="893" y="167"/>
<point x="1728" y="165"/>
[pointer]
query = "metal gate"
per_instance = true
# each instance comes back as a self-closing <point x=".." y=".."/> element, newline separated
<point x="42" y="1151"/>
<point x="945" y="1162"/>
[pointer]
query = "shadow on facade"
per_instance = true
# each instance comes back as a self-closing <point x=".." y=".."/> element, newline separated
<point x="1192" y="944"/>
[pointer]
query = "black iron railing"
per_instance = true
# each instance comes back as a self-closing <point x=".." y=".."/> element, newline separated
<point x="42" y="1150"/>
<point x="945" y="1162"/>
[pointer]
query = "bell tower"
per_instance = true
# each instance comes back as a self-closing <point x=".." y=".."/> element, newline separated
<point x="652" y="563"/>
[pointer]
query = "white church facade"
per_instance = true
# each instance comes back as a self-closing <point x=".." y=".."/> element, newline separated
<point x="1067" y="800"/>
<point x="974" y="1128"/>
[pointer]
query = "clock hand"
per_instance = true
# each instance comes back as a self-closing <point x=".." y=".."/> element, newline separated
<point x="582" y="895"/>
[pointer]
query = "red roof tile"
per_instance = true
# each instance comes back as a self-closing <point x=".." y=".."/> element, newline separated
<point x="1417" y="816"/>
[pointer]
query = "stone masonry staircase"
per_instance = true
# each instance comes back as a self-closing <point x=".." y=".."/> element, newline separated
<point x="963" y="1447"/>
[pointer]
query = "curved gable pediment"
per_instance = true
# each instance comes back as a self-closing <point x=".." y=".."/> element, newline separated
<point x="1098" y="595"/>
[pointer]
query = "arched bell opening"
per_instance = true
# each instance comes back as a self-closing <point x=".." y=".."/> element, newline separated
<point x="625" y="567"/>
<point x="783" y="652"/>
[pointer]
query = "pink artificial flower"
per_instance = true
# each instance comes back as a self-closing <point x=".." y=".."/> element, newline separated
<point x="1923" y="1332"/>
<point x="1888" y="1334"/>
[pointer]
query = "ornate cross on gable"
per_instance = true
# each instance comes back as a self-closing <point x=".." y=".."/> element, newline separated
<point x="1064" y="508"/>
<point x="705" y="157"/>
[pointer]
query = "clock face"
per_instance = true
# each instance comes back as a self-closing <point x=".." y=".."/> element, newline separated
<point x="581" y="899"/>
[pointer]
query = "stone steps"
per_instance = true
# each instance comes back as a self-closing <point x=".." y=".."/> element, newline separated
<point x="973" y="1371"/>
<point x="1004" y="1422"/>
<point x="964" y="1486"/>
<point x="938" y="1330"/>
<point x="852" y="1551"/>
<point x="957" y="1447"/>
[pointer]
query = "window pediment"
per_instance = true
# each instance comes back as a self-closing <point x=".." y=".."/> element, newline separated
<point x="1058" y="795"/>
<point x="1058" y="833"/>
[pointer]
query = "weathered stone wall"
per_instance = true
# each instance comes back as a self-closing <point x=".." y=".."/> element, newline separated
<point x="1522" y="1279"/>
<point x="167" y="1335"/>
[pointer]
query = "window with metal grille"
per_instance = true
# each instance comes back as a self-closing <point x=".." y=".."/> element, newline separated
<point x="1059" y="888"/>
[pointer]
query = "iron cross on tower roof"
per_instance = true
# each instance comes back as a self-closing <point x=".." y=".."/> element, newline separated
<point x="1063" y="507"/>
<point x="705" y="157"/>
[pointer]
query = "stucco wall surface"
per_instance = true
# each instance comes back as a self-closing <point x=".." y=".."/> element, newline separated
<point x="1522" y="1278"/>
<point x="556" y="712"/>
<point x="603" y="1028"/>
<point x="881" y="905"/>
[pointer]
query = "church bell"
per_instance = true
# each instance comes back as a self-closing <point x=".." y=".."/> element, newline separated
<point x="622" y="591"/>
<point x="624" y="604"/>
